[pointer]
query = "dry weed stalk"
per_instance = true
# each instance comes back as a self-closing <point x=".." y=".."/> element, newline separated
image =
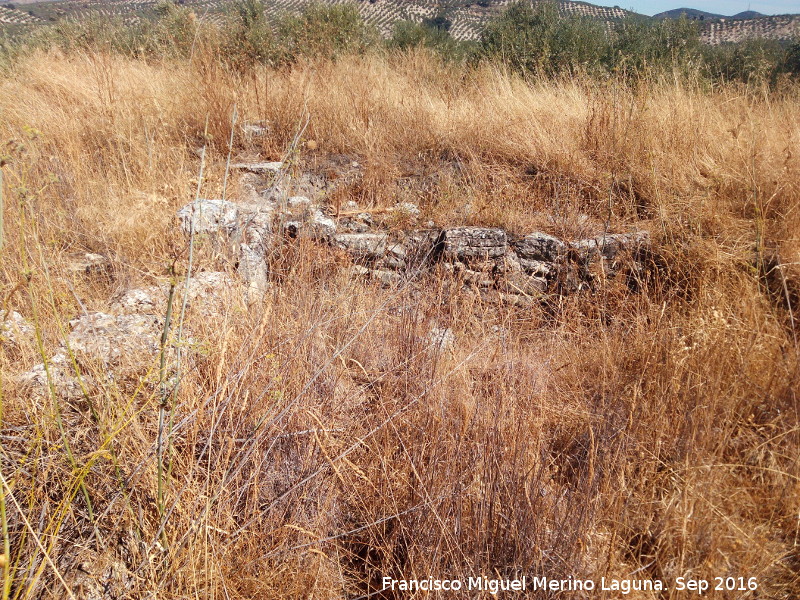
<point x="318" y="440"/>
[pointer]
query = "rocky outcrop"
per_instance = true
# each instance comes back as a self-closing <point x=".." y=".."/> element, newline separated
<point x="500" y="267"/>
<point x="484" y="257"/>
<point x="208" y="291"/>
<point x="126" y="341"/>
<point x="246" y="229"/>
<point x="136" y="301"/>
<point x="98" y="342"/>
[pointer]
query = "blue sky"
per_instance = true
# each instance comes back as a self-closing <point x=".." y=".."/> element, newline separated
<point x="722" y="7"/>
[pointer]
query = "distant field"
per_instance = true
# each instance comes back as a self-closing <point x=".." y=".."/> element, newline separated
<point x="16" y="17"/>
<point x="467" y="18"/>
<point x="780" y="27"/>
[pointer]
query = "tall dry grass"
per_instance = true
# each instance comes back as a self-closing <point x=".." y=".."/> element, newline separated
<point x="320" y="442"/>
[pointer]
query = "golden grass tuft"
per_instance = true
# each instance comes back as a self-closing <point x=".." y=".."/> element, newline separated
<point x="320" y="442"/>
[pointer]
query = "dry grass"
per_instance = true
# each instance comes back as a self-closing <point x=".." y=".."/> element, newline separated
<point x="320" y="442"/>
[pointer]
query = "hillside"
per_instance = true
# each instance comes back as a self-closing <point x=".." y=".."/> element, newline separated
<point x="11" y="16"/>
<point x="747" y="14"/>
<point x="718" y="29"/>
<point x="779" y="27"/>
<point x="468" y="17"/>
<point x="689" y="13"/>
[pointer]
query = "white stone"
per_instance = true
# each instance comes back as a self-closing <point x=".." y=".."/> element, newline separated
<point x="441" y="338"/>
<point x="536" y="267"/>
<point x="466" y="243"/>
<point x="387" y="278"/>
<point x="253" y="268"/>
<point x="247" y="226"/>
<point x="357" y="271"/>
<point x="99" y="577"/>
<point x="396" y="257"/>
<point x="540" y="246"/>
<point x="208" y="216"/>
<point x="110" y="339"/>
<point x="137" y="301"/>
<point x="322" y="226"/>
<point x="520" y="283"/>
<point x="365" y="218"/>
<point x="15" y="329"/>
<point x="62" y="376"/>
<point x="408" y="208"/>
<point x="260" y="167"/>
<point x="208" y="286"/>
<point x="254" y="227"/>
<point x="254" y="129"/>
<point x="299" y="202"/>
<point x="362" y="245"/>
<point x="88" y="263"/>
<point x="609" y="245"/>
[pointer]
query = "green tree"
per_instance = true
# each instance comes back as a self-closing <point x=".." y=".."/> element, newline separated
<point x="640" y="45"/>
<point x="324" y="30"/>
<point x="408" y="34"/>
<point x="537" y="39"/>
<point x="248" y="37"/>
<point x="753" y="61"/>
<point x="791" y="63"/>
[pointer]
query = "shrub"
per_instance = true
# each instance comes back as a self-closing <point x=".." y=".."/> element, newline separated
<point x="791" y="61"/>
<point x="171" y="34"/>
<point x="537" y="39"/>
<point x="9" y="50"/>
<point x="439" y="22"/>
<point x="641" y="46"/>
<point x="174" y="33"/>
<point x="753" y="61"/>
<point x="325" y="31"/>
<point x="407" y="35"/>
<point x="91" y="33"/>
<point x="247" y="36"/>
